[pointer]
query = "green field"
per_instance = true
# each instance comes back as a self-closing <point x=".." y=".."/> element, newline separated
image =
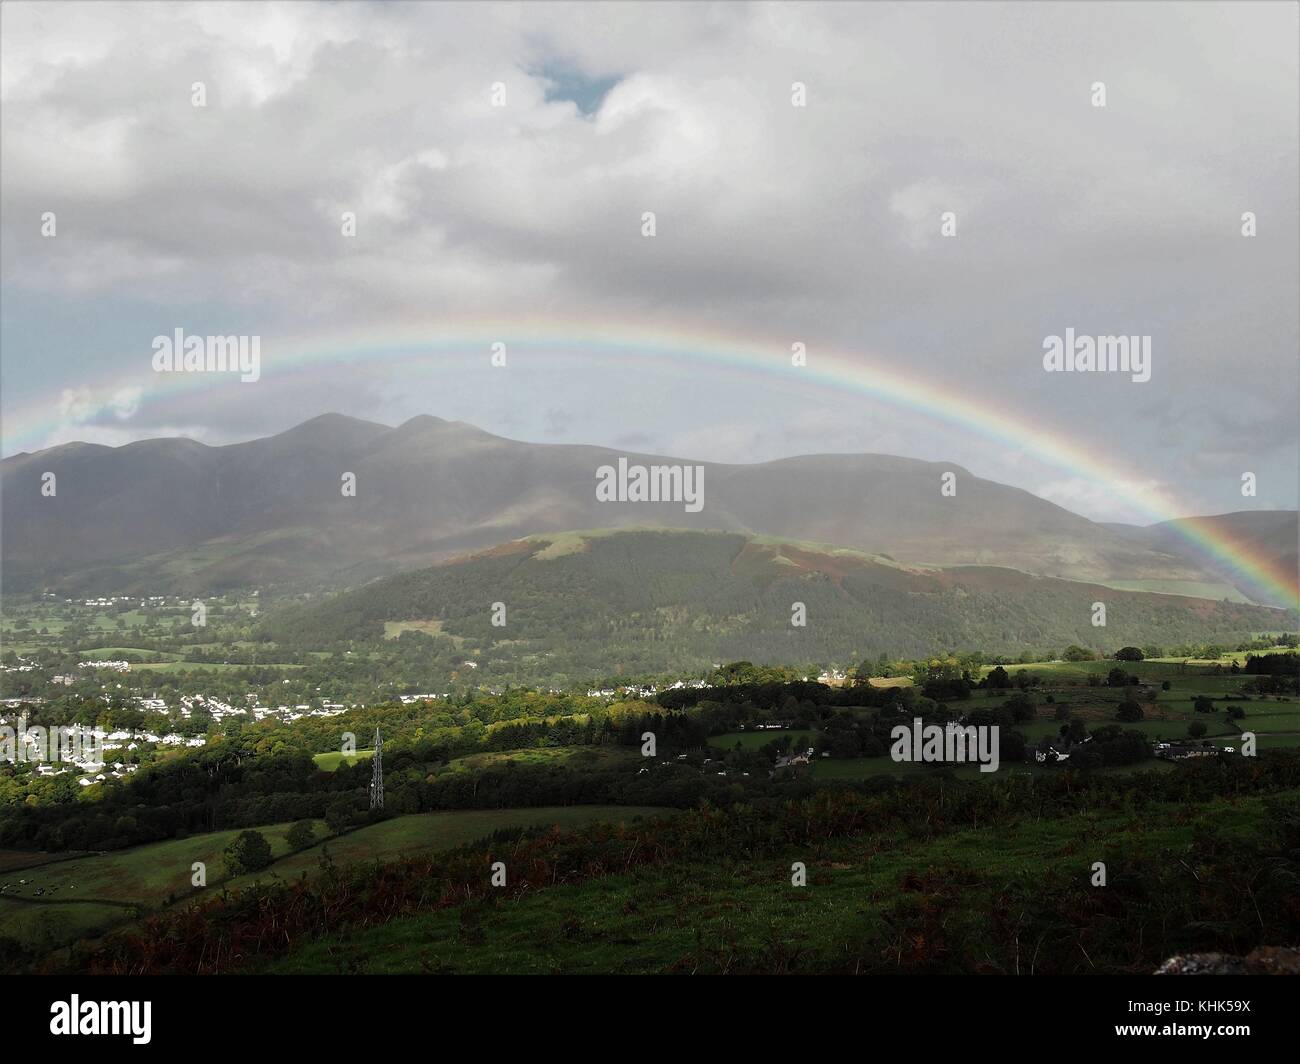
<point x="756" y="740"/>
<point x="740" y="915"/>
<point x="1268" y="742"/>
<point x="580" y="757"/>
<point x="134" y="655"/>
<point x="864" y="768"/>
<point x="105" y="887"/>
<point x="331" y="760"/>
<point x="439" y="831"/>
<point x="1275" y="721"/>
<point x="47" y="927"/>
<point x="393" y="629"/>
<point x="1167" y="712"/>
<point x="1187" y="670"/>
<point x="142" y="875"/>
<point x="219" y="666"/>
<point x="576" y="757"/>
<point x="10" y="859"/>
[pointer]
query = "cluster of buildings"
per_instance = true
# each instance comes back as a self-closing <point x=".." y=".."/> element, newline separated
<point x="220" y="711"/>
<point x="79" y="751"/>
<point x="92" y="765"/>
<point x="116" y="666"/>
<point x="113" y="600"/>
<point x="1186" y="751"/>
<point x="646" y="691"/>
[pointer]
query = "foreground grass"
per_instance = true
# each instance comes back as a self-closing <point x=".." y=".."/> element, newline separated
<point x="743" y="915"/>
<point x="47" y="927"/>
<point x="143" y="875"/>
<point x="433" y="832"/>
<point x="88" y="895"/>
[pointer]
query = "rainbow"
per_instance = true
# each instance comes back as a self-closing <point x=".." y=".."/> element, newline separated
<point x="654" y="344"/>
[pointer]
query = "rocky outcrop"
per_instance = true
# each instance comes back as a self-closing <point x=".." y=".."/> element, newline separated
<point x="1266" y="960"/>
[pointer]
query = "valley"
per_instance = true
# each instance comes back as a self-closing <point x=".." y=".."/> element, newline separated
<point x="591" y="731"/>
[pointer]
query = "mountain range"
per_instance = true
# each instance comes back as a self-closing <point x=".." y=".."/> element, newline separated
<point x="173" y="515"/>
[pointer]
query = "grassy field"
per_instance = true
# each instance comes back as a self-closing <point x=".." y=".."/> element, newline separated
<point x="581" y="757"/>
<point x="1275" y="721"/>
<point x="47" y="927"/>
<point x="331" y="760"/>
<point x="740" y="915"/>
<point x="142" y="875"/>
<point x="439" y="831"/>
<point x="756" y="740"/>
<point x="577" y="757"/>
<point x="1168" y="713"/>
<point x="11" y="859"/>
<point x="863" y="768"/>
<point x="102" y="626"/>
<point x="392" y="629"/>
<point x="890" y="681"/>
<point x="1267" y="742"/>
<point x="1176" y="670"/>
<point x="98" y="891"/>
<point x="194" y="666"/>
<point x="131" y="654"/>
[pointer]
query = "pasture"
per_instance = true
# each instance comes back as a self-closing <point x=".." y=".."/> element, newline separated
<point x="329" y="761"/>
<point x="89" y="894"/>
<point x="753" y="739"/>
<point x="742" y="914"/>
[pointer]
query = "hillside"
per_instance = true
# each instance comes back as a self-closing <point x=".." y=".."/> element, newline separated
<point x="1270" y="535"/>
<point x="651" y="601"/>
<point x="173" y="515"/>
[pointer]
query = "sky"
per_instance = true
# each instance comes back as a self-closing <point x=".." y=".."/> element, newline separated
<point x="499" y="160"/>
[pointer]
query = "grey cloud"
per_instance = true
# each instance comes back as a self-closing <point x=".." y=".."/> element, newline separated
<point x="818" y="222"/>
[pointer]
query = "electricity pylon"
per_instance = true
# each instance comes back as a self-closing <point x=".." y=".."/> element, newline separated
<point x="377" y="775"/>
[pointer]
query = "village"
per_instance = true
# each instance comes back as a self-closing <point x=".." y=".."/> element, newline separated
<point x="89" y="758"/>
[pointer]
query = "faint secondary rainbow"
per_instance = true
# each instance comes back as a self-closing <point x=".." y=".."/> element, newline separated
<point x="764" y="357"/>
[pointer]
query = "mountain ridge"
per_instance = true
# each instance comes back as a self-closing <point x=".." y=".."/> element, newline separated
<point x="558" y="606"/>
<point x="181" y="515"/>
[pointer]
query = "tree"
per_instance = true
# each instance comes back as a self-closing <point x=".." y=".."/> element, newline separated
<point x="340" y="814"/>
<point x="250" y="852"/>
<point x="1203" y="704"/>
<point x="1075" y="731"/>
<point x="1077" y="653"/>
<point x="1129" y="712"/>
<point x="1196" y="729"/>
<point x="998" y="679"/>
<point x="1128" y="654"/>
<point x="301" y="835"/>
<point x="1022" y="707"/>
<point x="1117" y="677"/>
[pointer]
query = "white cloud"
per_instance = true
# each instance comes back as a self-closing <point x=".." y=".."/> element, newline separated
<point x="76" y="404"/>
<point x="125" y="402"/>
<point x="1139" y="502"/>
